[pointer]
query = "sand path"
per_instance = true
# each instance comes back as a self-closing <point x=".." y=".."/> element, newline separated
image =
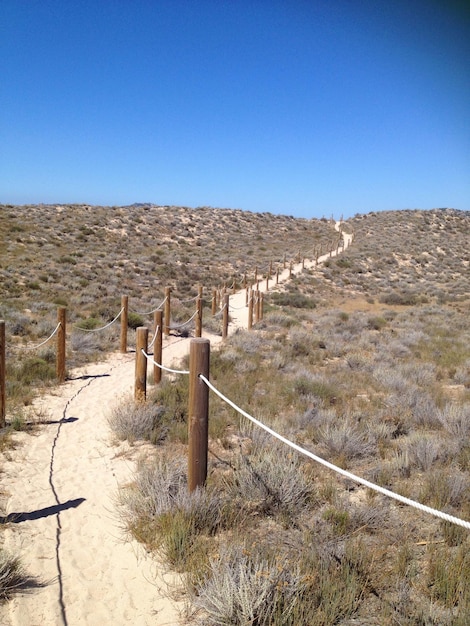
<point x="60" y="486"/>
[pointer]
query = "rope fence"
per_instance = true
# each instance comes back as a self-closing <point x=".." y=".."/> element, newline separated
<point x="338" y="470"/>
<point x="163" y="367"/>
<point x="96" y="330"/>
<point x="43" y="343"/>
<point x="153" y="310"/>
<point x="220" y="297"/>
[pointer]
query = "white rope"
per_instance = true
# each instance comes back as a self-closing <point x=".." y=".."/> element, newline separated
<point x="188" y="300"/>
<point x="156" y="309"/>
<point x="162" y="367"/>
<point x="346" y="474"/>
<point x="174" y="327"/>
<point x="219" y="313"/>
<point x="236" y="308"/>
<point x="45" y="341"/>
<point x="154" y="337"/>
<point x="95" y="330"/>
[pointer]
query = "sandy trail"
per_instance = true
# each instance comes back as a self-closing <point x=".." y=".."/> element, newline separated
<point x="60" y="488"/>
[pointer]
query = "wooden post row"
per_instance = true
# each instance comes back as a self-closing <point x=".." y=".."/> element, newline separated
<point x="61" y="332"/>
<point x="158" y="346"/>
<point x="124" y="322"/>
<point x="2" y="375"/>
<point x="141" y="343"/>
<point x="198" y="413"/>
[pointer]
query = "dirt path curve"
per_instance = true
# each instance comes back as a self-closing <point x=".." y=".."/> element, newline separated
<point x="60" y="486"/>
<point x="238" y="308"/>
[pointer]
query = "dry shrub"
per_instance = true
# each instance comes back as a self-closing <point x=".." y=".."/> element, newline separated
<point x="138" y="420"/>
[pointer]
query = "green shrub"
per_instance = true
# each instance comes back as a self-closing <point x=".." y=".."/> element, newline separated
<point x="134" y="320"/>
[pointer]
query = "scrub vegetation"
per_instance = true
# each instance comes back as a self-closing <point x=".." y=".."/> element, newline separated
<point x="364" y="361"/>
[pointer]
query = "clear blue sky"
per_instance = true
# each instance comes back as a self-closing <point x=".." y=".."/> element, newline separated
<point x="306" y="108"/>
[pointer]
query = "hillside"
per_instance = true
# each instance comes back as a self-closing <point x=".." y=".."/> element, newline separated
<point x="364" y="361"/>
<point x="87" y="256"/>
<point x="406" y="257"/>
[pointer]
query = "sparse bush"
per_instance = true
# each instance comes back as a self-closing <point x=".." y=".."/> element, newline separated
<point x="134" y="320"/>
<point x="136" y="420"/>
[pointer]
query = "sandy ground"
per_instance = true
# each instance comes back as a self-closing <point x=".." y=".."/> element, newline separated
<point x="59" y="491"/>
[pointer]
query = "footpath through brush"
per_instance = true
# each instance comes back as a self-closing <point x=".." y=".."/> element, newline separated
<point x="60" y="486"/>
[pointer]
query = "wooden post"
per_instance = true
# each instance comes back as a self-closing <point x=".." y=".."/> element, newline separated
<point x="259" y="306"/>
<point x="256" y="274"/>
<point x="267" y="282"/>
<point x="198" y="317"/>
<point x="141" y="343"/>
<point x="214" y="301"/>
<point x="158" y="346"/>
<point x="303" y="262"/>
<point x="250" y="310"/>
<point x="60" y="359"/>
<point x="225" y="316"/>
<point x="199" y="291"/>
<point x="284" y="260"/>
<point x="244" y="280"/>
<point x="270" y="267"/>
<point x="290" y="269"/>
<point x="2" y="375"/>
<point x="277" y="276"/>
<point x="247" y="295"/>
<point x="198" y="413"/>
<point x="166" y="317"/>
<point x="124" y="322"/>
<point x="256" y="306"/>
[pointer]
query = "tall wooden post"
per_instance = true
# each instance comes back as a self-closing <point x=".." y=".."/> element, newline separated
<point x="141" y="343"/>
<point x="199" y="291"/>
<point x="60" y="359"/>
<point x="198" y="413"/>
<point x="303" y="262"/>
<point x="247" y="295"/>
<point x="284" y="260"/>
<point x="166" y="317"/>
<point x="261" y="305"/>
<point x="267" y="282"/>
<point x="214" y="301"/>
<point x="225" y="316"/>
<point x="277" y="276"/>
<point x="244" y="280"/>
<point x="198" y="317"/>
<point x="2" y="375"/>
<point x="250" y="310"/>
<point x="158" y="346"/>
<point x="256" y="274"/>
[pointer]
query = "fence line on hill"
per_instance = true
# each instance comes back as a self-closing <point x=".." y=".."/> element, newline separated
<point x="253" y="300"/>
